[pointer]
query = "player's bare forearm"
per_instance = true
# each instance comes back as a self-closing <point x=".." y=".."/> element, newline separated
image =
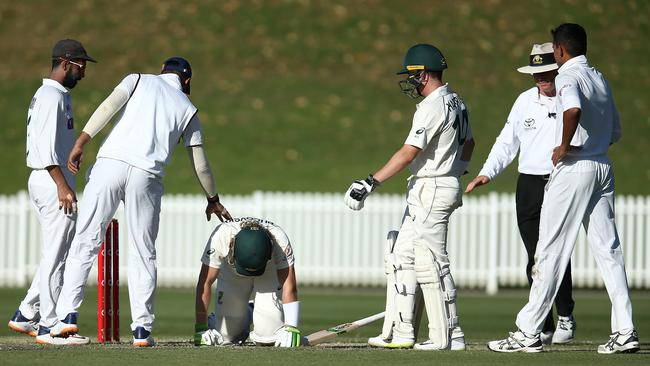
<point x="400" y="160"/>
<point x="287" y="277"/>
<point x="76" y="154"/>
<point x="203" y="292"/>
<point x="82" y="140"/>
<point x="67" y="197"/>
<point x="570" y="119"/>
<point x="57" y="176"/>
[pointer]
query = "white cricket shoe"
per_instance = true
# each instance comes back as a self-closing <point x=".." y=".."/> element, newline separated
<point x="21" y="324"/>
<point x="142" y="338"/>
<point x="44" y="337"/>
<point x="546" y="337"/>
<point x="66" y="326"/>
<point x="565" y="331"/>
<point x="517" y="342"/>
<point x="395" y="342"/>
<point x="621" y="343"/>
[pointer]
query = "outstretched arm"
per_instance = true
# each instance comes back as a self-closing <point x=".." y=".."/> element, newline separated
<point x="201" y="168"/>
<point x="289" y="334"/>
<point x="402" y="158"/>
<point x="360" y="189"/>
<point x="287" y="277"/>
<point x="113" y="103"/>
<point x="204" y="291"/>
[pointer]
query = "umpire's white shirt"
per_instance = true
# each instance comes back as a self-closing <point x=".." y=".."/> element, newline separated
<point x="580" y="85"/>
<point x="50" y="127"/>
<point x="157" y="114"/>
<point x="439" y="121"/>
<point x="529" y="129"/>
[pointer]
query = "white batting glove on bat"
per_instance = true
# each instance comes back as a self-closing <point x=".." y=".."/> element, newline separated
<point x="358" y="191"/>
<point x="287" y="337"/>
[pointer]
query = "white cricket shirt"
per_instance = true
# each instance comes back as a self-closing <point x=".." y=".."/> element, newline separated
<point x="157" y="114"/>
<point x="440" y="128"/>
<point x="580" y="85"/>
<point x="217" y="250"/>
<point x="50" y="126"/>
<point x="529" y="130"/>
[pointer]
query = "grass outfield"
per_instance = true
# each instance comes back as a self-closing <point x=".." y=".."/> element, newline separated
<point x="483" y="318"/>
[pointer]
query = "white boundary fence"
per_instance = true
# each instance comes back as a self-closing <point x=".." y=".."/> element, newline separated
<point x="336" y="246"/>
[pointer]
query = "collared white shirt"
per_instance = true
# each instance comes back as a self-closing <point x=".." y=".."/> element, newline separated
<point x="529" y="130"/>
<point x="218" y="249"/>
<point x="157" y="114"/>
<point x="440" y="128"/>
<point x="50" y="126"/>
<point x="580" y="85"/>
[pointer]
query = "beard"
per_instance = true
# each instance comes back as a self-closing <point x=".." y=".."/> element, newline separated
<point x="71" y="78"/>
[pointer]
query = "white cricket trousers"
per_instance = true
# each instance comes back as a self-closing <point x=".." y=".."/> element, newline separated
<point x="578" y="192"/>
<point x="110" y="182"/>
<point x="233" y="319"/>
<point x="430" y="203"/>
<point x="57" y="231"/>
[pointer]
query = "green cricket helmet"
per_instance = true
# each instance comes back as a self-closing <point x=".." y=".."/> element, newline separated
<point x="423" y="57"/>
<point x="252" y="251"/>
<point x="418" y="59"/>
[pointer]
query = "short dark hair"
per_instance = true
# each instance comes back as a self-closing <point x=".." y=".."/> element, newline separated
<point x="436" y="74"/>
<point x="572" y="36"/>
<point x="56" y="61"/>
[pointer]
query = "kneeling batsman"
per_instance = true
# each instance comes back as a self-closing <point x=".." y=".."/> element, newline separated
<point x="252" y="259"/>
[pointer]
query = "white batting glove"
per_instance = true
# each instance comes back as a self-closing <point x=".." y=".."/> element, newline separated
<point x="287" y="337"/>
<point x="210" y="337"/>
<point x="358" y="191"/>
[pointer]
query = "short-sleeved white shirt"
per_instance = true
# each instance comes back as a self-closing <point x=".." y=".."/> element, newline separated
<point x="217" y="250"/>
<point x="50" y="126"/>
<point x="440" y="128"/>
<point x="580" y="85"/>
<point x="153" y="121"/>
<point x="529" y="130"/>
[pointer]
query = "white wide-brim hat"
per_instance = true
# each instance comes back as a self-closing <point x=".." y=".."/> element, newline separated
<point x="541" y="59"/>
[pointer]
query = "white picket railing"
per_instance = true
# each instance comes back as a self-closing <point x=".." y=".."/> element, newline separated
<point x="337" y="246"/>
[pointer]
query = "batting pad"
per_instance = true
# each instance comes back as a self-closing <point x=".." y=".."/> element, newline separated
<point x="428" y="277"/>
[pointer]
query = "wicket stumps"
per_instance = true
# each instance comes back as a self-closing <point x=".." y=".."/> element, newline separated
<point x="108" y="286"/>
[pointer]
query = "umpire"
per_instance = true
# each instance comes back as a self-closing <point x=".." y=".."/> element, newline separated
<point x="531" y="129"/>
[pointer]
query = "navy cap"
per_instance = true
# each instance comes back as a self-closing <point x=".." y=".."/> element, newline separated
<point x="70" y="49"/>
<point x="179" y="65"/>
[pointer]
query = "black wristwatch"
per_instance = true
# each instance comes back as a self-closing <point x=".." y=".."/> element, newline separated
<point x="214" y="199"/>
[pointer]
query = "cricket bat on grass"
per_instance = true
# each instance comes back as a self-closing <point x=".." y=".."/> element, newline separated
<point x="326" y="335"/>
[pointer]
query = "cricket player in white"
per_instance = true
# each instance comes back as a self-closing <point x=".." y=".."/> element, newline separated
<point x="50" y="137"/>
<point x="156" y="114"/>
<point x="437" y="150"/>
<point x="248" y="257"/>
<point x="580" y="191"/>
<point x="530" y="130"/>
